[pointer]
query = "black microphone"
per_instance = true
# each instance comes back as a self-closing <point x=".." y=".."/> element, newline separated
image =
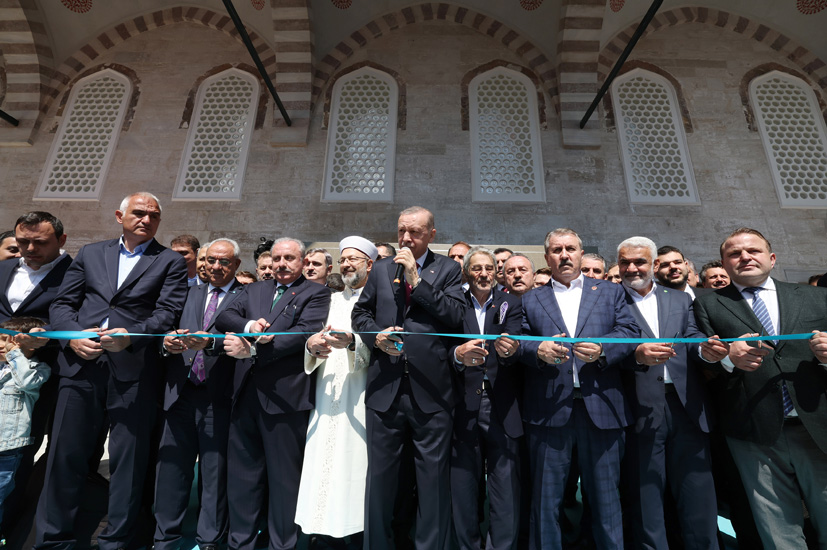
<point x="400" y="273"/>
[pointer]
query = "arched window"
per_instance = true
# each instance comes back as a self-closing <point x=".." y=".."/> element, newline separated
<point x="361" y="142"/>
<point x="88" y="135"/>
<point x="652" y="140"/>
<point x="794" y="137"/>
<point x="506" y="159"/>
<point x="219" y="137"/>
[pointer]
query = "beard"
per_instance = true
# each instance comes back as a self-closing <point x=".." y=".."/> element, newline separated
<point x="353" y="279"/>
<point x="637" y="283"/>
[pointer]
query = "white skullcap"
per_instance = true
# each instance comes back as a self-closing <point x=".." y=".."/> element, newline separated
<point x="359" y="243"/>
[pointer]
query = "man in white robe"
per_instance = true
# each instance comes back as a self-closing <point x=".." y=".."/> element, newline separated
<point x="332" y="490"/>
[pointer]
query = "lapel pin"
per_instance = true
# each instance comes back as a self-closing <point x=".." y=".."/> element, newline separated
<point x="594" y="288"/>
<point x="432" y="271"/>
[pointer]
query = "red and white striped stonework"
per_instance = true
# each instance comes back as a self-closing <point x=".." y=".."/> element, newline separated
<point x="293" y="38"/>
<point x="29" y="63"/>
<point x="53" y="83"/>
<point x="578" y="48"/>
<point x="535" y="59"/>
<point x="805" y="59"/>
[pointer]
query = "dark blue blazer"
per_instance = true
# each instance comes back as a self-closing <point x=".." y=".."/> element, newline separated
<point x="38" y="301"/>
<point x="277" y="370"/>
<point x="437" y="306"/>
<point x="549" y="388"/>
<point x="644" y="384"/>
<point x="504" y="374"/>
<point x="148" y="302"/>
<point x="219" y="367"/>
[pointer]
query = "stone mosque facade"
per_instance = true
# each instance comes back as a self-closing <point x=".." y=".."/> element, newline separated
<point x="471" y="109"/>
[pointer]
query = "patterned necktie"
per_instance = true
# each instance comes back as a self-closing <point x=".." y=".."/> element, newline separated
<point x="279" y="292"/>
<point x="198" y="373"/>
<point x="760" y="310"/>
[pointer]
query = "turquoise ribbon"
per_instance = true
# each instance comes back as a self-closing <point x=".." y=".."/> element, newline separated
<point x="78" y="335"/>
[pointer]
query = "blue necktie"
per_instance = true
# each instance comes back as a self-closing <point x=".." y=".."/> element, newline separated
<point x="760" y="310"/>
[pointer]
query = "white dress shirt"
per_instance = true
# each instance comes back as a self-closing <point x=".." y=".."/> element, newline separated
<point x="24" y="279"/>
<point x="126" y="263"/>
<point x="568" y="298"/>
<point x="647" y="305"/>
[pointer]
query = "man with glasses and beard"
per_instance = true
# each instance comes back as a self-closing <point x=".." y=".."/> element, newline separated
<point x="332" y="489"/>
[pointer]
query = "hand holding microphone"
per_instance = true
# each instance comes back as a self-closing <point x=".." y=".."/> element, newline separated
<point x="405" y="266"/>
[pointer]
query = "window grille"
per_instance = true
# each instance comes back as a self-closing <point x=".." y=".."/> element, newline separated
<point x="506" y="159"/>
<point x="652" y="141"/>
<point x="218" y="142"/>
<point x="794" y="137"/>
<point x="86" y="138"/>
<point x="361" y="145"/>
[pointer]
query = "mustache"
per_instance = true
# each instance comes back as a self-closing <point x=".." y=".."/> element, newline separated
<point x="283" y="270"/>
<point x="564" y="263"/>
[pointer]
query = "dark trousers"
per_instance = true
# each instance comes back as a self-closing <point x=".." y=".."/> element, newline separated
<point x="599" y="454"/>
<point x="479" y="440"/>
<point x="83" y="404"/>
<point x="265" y="453"/>
<point x="196" y="426"/>
<point x="676" y="453"/>
<point x="430" y="434"/>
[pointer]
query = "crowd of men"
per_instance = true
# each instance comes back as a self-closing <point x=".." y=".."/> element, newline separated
<point x="428" y="382"/>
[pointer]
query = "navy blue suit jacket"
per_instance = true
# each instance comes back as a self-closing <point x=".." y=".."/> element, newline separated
<point x="437" y="305"/>
<point x="219" y="367"/>
<point x="504" y="374"/>
<point x="277" y="370"/>
<point x="549" y="388"/>
<point x="38" y="301"/>
<point x="148" y="302"/>
<point x="644" y="384"/>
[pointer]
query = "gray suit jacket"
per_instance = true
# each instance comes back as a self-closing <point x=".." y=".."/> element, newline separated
<point x="750" y="403"/>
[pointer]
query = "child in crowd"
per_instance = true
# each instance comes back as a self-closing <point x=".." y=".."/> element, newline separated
<point x="20" y="379"/>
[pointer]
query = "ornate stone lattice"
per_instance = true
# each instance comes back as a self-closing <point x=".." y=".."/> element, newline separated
<point x="86" y="138"/>
<point x="219" y="139"/>
<point x="795" y="138"/>
<point x="506" y="163"/>
<point x="258" y="4"/>
<point x="653" y="145"/>
<point x="361" y="146"/>
<point x="78" y="6"/>
<point x="342" y="4"/>
<point x="616" y="5"/>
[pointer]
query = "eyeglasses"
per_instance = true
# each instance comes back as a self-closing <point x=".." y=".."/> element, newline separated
<point x="223" y="262"/>
<point x="351" y="260"/>
<point x="481" y="268"/>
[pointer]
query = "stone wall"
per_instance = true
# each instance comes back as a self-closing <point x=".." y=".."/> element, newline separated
<point x="585" y="189"/>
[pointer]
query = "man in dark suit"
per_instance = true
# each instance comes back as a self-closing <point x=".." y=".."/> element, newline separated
<point x="272" y="396"/>
<point x="669" y="441"/>
<point x="575" y="401"/>
<point x="197" y="400"/>
<point x="29" y="285"/>
<point x="774" y="398"/>
<point x="409" y="395"/>
<point x="487" y="421"/>
<point x="126" y="285"/>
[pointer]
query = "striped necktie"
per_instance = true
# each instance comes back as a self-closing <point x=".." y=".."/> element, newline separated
<point x="198" y="374"/>
<point x="760" y="310"/>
